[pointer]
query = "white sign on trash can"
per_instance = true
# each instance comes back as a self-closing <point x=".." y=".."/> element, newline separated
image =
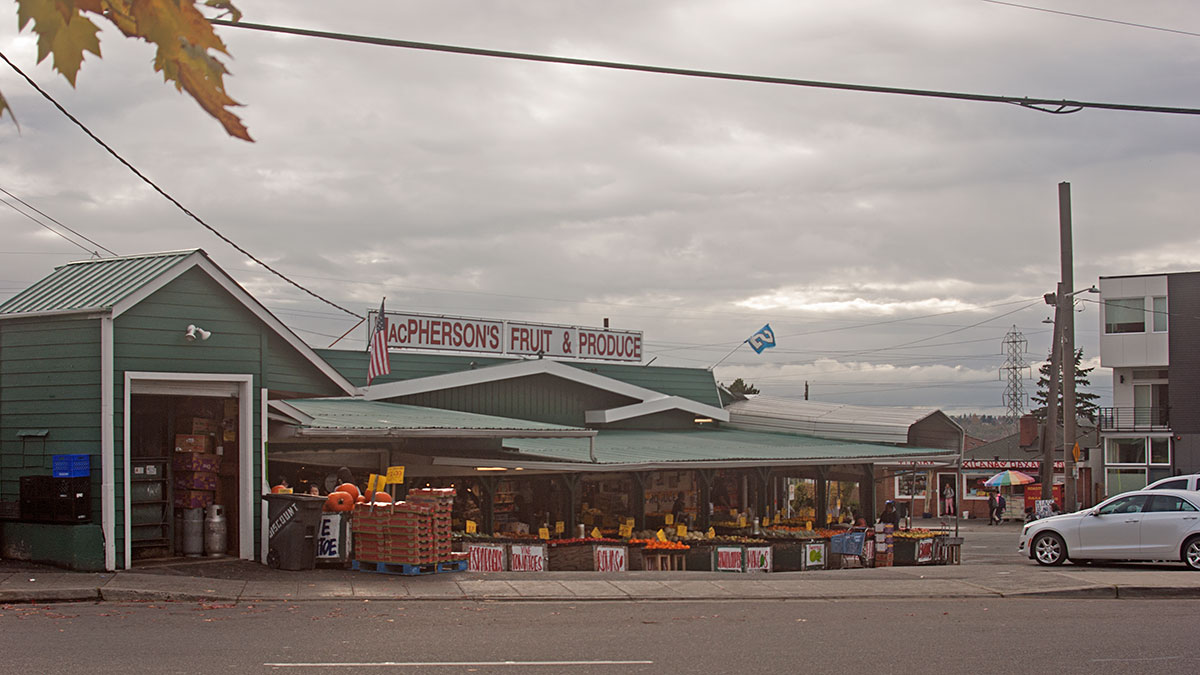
<point x="329" y="543"/>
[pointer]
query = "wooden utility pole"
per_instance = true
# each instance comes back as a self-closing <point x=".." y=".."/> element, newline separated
<point x="1066" y="301"/>
<point x="1050" y="426"/>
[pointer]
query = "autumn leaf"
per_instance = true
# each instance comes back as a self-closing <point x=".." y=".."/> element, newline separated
<point x="5" y="109"/>
<point x="67" y="35"/>
<point x="183" y="37"/>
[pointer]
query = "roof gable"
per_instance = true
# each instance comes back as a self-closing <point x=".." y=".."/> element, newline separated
<point x="115" y="285"/>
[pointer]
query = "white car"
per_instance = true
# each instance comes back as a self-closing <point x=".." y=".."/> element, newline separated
<point x="1190" y="482"/>
<point x="1138" y="525"/>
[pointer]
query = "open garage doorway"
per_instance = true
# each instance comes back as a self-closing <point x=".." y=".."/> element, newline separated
<point x="188" y="456"/>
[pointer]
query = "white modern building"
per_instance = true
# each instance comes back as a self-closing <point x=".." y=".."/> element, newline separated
<point x="1149" y="325"/>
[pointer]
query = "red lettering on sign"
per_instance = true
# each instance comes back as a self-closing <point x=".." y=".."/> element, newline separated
<point x="729" y="559"/>
<point x="486" y="559"/>
<point x="610" y="559"/>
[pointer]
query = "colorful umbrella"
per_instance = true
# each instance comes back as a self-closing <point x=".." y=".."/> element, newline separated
<point x="1009" y="478"/>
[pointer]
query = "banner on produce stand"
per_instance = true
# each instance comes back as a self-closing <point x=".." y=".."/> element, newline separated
<point x="925" y="550"/>
<point x="729" y="559"/>
<point x="612" y="559"/>
<point x="527" y="558"/>
<point x="485" y="557"/>
<point x="329" y="544"/>
<point x="814" y="555"/>
<point x="758" y="558"/>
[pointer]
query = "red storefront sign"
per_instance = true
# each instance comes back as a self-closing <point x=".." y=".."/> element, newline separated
<point x="485" y="557"/>
<point x="1002" y="464"/>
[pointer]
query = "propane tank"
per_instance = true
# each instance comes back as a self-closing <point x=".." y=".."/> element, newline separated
<point x="193" y="532"/>
<point x="215" y="530"/>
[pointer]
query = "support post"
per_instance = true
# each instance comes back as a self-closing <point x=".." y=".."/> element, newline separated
<point x="488" y="504"/>
<point x="570" y="482"/>
<point x="637" y="501"/>
<point x="822" y="501"/>
<point x="866" y="493"/>
<point x="704" y="479"/>
<point x="762" y="505"/>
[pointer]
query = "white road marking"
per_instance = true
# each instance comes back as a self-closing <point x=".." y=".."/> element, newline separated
<point x="451" y="664"/>
<point x="1148" y="658"/>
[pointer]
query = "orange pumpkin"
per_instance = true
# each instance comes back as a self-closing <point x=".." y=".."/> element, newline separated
<point x="349" y="488"/>
<point x="339" y="501"/>
<point x="280" y="489"/>
<point x="361" y="500"/>
<point x="382" y="497"/>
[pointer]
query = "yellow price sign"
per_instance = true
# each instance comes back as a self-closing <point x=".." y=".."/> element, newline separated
<point x="681" y="530"/>
<point x="395" y="474"/>
<point x="376" y="482"/>
<point x="741" y="521"/>
<point x="669" y="519"/>
<point x="630" y="522"/>
<point x="662" y="536"/>
<point x="766" y="520"/>
<point x="543" y="533"/>
<point x="472" y="528"/>
<point x="625" y="531"/>
<point x="595" y="533"/>
<point x="711" y="534"/>
<point x="808" y="525"/>
<point x="559" y="527"/>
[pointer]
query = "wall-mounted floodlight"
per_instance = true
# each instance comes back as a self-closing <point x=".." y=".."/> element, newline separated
<point x="193" y="331"/>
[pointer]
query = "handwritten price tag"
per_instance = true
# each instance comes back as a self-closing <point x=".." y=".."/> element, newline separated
<point x="662" y="536"/>
<point x="681" y="530"/>
<point x="543" y="533"/>
<point x="559" y="527"/>
<point x="669" y="519"/>
<point x="472" y="527"/>
<point x="595" y="533"/>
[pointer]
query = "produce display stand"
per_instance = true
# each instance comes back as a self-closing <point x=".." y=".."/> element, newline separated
<point x="652" y="556"/>
<point x="914" y="550"/>
<point x="948" y="550"/>
<point x="588" y="555"/>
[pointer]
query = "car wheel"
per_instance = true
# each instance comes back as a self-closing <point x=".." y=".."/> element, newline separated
<point x="1050" y="549"/>
<point x="1191" y="553"/>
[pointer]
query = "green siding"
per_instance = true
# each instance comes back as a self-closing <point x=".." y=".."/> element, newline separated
<point x="289" y="371"/>
<point x="542" y="398"/>
<point x="49" y="379"/>
<point x="696" y="384"/>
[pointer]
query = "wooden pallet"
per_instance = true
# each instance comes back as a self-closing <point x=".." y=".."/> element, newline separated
<point x="408" y="570"/>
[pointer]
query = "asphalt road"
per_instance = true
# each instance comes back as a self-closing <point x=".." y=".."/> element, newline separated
<point x="922" y="636"/>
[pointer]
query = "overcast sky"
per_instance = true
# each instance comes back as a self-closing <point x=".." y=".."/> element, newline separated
<point x="890" y="241"/>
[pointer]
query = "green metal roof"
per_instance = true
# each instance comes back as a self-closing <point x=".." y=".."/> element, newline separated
<point x="717" y="445"/>
<point x="696" y="384"/>
<point x="91" y="284"/>
<point x="358" y="414"/>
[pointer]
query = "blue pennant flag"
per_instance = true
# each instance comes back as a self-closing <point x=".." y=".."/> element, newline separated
<point x="763" y="339"/>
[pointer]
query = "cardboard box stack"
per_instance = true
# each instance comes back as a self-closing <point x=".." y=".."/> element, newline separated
<point x="195" y="464"/>
<point x="441" y="500"/>
<point x="415" y="532"/>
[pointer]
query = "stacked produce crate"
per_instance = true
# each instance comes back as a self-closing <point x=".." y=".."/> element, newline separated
<point x="440" y="501"/>
<point x="399" y="533"/>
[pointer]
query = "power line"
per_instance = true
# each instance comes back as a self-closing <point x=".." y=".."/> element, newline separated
<point x="164" y="193"/>
<point x="1093" y="18"/>
<point x="56" y="222"/>
<point x="56" y="232"/>
<point x="1053" y="106"/>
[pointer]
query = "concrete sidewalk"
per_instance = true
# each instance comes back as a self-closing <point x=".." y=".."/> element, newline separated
<point x="991" y="568"/>
<point x="958" y="581"/>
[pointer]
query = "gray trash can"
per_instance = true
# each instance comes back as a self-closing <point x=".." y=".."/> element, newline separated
<point x="293" y="521"/>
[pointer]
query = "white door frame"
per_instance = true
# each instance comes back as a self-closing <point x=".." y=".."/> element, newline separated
<point x="199" y="384"/>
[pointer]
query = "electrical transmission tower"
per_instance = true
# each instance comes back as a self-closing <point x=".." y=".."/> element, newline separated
<point x="1015" y="370"/>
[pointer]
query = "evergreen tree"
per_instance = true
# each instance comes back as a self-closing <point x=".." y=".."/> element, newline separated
<point x="1085" y="401"/>
<point x="741" y="388"/>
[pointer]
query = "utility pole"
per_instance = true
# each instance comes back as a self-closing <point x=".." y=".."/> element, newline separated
<point x="1050" y="426"/>
<point x="1066" y="302"/>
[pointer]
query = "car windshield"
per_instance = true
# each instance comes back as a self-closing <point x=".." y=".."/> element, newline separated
<point x="1130" y="504"/>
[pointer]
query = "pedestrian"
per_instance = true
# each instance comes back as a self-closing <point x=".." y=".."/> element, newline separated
<point x="948" y="499"/>
<point x="1000" y="506"/>
<point x="890" y="515"/>
<point x="679" y="507"/>
<point x="314" y="490"/>
<point x="993" y="508"/>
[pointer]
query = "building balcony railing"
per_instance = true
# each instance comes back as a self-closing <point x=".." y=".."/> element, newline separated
<point x="1135" y="419"/>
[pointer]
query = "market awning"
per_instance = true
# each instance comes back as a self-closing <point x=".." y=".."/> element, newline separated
<point x="356" y="418"/>
<point x="717" y="448"/>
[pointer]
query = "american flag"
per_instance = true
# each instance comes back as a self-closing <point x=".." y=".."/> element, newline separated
<point x="379" y="364"/>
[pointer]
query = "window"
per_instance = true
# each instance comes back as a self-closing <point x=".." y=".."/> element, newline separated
<point x="911" y="484"/>
<point x="1160" y="314"/>
<point x="1169" y="503"/>
<point x="1180" y="484"/>
<point x="1160" y="451"/>
<point x="1124" y="480"/>
<point x="1126" y="451"/>
<point x="1130" y="504"/>
<point x="1125" y="315"/>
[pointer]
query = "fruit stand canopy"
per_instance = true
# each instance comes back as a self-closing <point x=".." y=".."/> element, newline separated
<point x="715" y="448"/>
